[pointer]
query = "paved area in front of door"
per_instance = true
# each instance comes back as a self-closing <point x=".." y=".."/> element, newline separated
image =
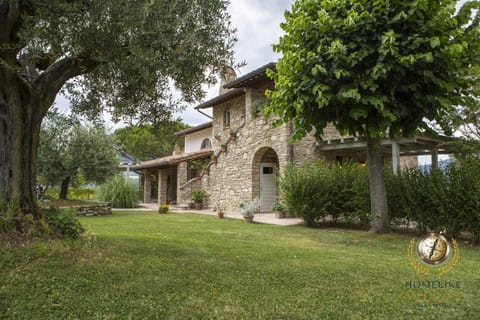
<point x="267" y="218"/>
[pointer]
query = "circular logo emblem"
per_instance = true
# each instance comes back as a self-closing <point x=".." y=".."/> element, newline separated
<point x="434" y="249"/>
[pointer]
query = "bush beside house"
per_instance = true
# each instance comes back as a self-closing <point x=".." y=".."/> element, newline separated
<point x="446" y="200"/>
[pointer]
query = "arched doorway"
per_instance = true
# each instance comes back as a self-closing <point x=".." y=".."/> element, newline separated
<point x="264" y="177"/>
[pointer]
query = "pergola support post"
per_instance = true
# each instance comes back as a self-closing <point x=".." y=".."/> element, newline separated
<point x="434" y="159"/>
<point x="395" y="156"/>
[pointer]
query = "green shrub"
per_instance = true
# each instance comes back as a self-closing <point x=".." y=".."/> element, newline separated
<point x="199" y="195"/>
<point x="438" y="200"/>
<point x="119" y="192"/>
<point x="464" y="197"/>
<point x="305" y="192"/>
<point x="326" y="189"/>
<point x="163" y="208"/>
<point x="63" y="223"/>
<point x="360" y="198"/>
<point x="8" y="209"/>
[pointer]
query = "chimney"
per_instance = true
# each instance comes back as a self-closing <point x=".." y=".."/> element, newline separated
<point x="227" y="76"/>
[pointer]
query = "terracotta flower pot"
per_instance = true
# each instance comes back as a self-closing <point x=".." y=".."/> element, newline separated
<point x="220" y="215"/>
<point x="248" y="219"/>
<point x="280" y="214"/>
<point x="198" y="205"/>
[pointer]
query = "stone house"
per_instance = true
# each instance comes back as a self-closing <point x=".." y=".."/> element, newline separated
<point x="243" y="153"/>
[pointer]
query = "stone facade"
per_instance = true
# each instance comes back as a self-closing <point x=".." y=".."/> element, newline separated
<point x="246" y="148"/>
<point x="236" y="175"/>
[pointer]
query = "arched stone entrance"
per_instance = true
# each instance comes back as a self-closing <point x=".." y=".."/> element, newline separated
<point x="265" y="167"/>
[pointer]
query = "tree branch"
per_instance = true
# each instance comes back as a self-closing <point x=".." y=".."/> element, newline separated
<point x="11" y="12"/>
<point x="50" y="82"/>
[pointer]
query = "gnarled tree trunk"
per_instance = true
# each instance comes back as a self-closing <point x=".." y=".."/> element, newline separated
<point x="21" y="113"/>
<point x="378" y="195"/>
<point x="20" y="119"/>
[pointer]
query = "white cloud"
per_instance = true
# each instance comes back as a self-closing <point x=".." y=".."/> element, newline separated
<point x="258" y="27"/>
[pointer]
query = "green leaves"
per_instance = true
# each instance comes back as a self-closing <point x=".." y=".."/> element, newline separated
<point x="146" y="142"/>
<point x="67" y="149"/>
<point x="136" y="50"/>
<point x="434" y="42"/>
<point x="346" y="94"/>
<point x="377" y="66"/>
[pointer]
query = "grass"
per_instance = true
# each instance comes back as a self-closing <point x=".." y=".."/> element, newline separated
<point x="140" y="265"/>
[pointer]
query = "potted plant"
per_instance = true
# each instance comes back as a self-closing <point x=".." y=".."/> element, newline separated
<point x="198" y="196"/>
<point x="198" y="165"/>
<point x="164" y="208"/>
<point x="218" y="208"/>
<point x="214" y="159"/>
<point x="233" y="135"/>
<point x="224" y="147"/>
<point x="279" y="210"/>
<point x="249" y="208"/>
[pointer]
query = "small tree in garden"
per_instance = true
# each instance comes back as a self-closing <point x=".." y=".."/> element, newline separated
<point x="376" y="69"/>
<point x="69" y="149"/>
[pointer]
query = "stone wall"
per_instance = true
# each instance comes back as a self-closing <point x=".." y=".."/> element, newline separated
<point x="101" y="209"/>
<point x="236" y="175"/>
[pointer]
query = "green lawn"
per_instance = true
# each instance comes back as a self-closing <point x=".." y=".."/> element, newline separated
<point x="138" y="265"/>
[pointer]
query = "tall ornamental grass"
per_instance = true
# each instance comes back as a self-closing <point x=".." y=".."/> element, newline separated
<point x="119" y="192"/>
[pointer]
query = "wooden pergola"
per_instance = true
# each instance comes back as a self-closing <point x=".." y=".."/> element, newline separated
<point x="414" y="146"/>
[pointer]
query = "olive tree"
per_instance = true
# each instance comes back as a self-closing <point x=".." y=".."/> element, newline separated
<point x="69" y="148"/>
<point x="118" y="56"/>
<point x="376" y="69"/>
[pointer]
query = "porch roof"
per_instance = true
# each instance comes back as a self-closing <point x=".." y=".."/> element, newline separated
<point x="194" y="129"/>
<point x="173" y="159"/>
<point x="414" y="146"/>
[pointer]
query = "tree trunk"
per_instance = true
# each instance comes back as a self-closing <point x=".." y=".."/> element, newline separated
<point x="378" y="196"/>
<point x="20" y="120"/>
<point x="64" y="188"/>
<point x="25" y="97"/>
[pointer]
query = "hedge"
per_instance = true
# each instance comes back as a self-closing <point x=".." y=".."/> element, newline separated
<point x="437" y="200"/>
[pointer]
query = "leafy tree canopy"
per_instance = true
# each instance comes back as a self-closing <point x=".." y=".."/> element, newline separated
<point x="376" y="69"/>
<point x="372" y="67"/>
<point x="129" y="52"/>
<point x="150" y="141"/>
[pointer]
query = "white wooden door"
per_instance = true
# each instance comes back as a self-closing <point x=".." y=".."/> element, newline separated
<point x="268" y="186"/>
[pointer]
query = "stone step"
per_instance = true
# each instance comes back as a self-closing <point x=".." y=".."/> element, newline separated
<point x="180" y="206"/>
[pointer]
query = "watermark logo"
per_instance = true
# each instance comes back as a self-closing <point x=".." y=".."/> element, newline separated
<point x="434" y="253"/>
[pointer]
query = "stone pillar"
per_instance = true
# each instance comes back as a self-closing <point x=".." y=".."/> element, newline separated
<point x="395" y="156"/>
<point x="182" y="176"/>
<point x="147" y="187"/>
<point x="162" y="190"/>
<point x="434" y="159"/>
